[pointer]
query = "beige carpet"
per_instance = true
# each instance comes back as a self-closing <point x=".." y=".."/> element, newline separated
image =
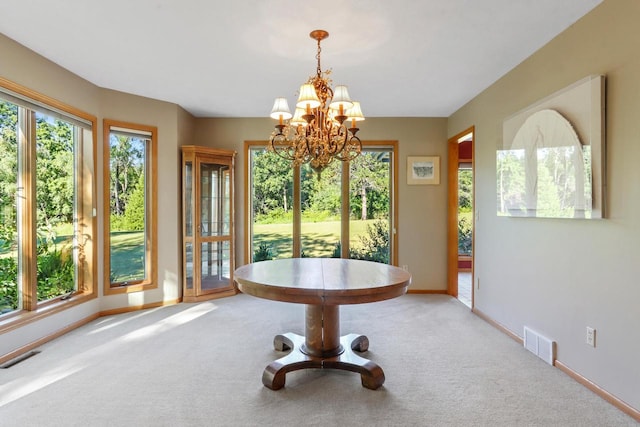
<point x="201" y="365"/>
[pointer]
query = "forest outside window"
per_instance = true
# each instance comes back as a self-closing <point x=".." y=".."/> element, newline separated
<point x="130" y="158"/>
<point x="46" y="204"/>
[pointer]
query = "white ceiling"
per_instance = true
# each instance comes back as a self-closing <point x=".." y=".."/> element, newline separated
<point x="401" y="58"/>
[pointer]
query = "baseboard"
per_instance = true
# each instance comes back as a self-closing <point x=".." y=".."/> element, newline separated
<point x="498" y="326"/>
<point x="28" y="347"/>
<point x="37" y="343"/>
<point x="214" y="295"/>
<point x="427" y="291"/>
<point x="621" y="405"/>
<point x="138" y="307"/>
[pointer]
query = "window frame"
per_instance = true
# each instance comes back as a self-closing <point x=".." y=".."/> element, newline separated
<point x="150" y="280"/>
<point x="84" y="209"/>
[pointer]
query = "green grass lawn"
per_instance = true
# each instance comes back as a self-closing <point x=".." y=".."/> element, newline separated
<point x="318" y="238"/>
<point x="127" y="256"/>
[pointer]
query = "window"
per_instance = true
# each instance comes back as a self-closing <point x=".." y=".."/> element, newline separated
<point x="46" y="204"/>
<point x="348" y="212"/>
<point x="130" y="159"/>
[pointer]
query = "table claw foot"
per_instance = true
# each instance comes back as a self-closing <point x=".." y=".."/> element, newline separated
<point x="282" y="342"/>
<point x="372" y="376"/>
<point x="274" y="374"/>
<point x="359" y="343"/>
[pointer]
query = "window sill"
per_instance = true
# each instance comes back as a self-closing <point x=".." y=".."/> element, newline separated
<point x="17" y="319"/>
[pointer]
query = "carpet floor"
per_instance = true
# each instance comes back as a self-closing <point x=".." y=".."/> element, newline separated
<point x="201" y="365"/>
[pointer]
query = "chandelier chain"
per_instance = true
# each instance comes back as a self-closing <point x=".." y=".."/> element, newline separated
<point x="318" y="69"/>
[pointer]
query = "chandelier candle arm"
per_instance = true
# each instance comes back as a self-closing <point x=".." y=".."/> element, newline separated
<point x="316" y="133"/>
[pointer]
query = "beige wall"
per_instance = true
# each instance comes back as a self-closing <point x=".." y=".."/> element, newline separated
<point x="560" y="276"/>
<point x="31" y="70"/>
<point x="422" y="209"/>
<point x="175" y="126"/>
<point x="165" y="116"/>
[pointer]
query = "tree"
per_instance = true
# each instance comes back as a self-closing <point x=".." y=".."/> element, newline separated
<point x="54" y="171"/>
<point x="368" y="172"/>
<point x="323" y="195"/>
<point x="374" y="245"/>
<point x="126" y="161"/>
<point x="273" y="182"/>
<point x="511" y="176"/>
<point x="134" y="214"/>
<point x="465" y="190"/>
<point x="8" y="168"/>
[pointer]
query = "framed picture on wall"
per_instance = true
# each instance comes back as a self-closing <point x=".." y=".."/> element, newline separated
<point x="423" y="170"/>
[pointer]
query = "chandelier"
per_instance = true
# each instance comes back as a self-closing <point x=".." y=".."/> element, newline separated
<point x="316" y="133"/>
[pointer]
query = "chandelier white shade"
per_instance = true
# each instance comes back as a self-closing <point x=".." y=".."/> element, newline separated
<point x="280" y="110"/>
<point x="315" y="133"/>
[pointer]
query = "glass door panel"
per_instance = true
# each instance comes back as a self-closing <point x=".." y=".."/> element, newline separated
<point x="214" y="225"/>
<point x="188" y="199"/>
<point x="271" y="201"/>
<point x="215" y="266"/>
<point x="215" y="207"/>
<point x="370" y="189"/>
<point x="321" y="205"/>
<point x="208" y="222"/>
<point x="188" y="254"/>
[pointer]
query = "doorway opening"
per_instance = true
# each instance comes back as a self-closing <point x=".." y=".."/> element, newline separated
<point x="460" y="217"/>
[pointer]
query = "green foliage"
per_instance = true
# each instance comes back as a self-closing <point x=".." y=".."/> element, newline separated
<point x="262" y="253"/>
<point x="275" y="216"/>
<point x="55" y="274"/>
<point x="134" y="214"/>
<point x="465" y="234"/>
<point x="8" y="284"/>
<point x="465" y="190"/>
<point x="337" y="250"/>
<point x="8" y="163"/>
<point x="510" y="181"/>
<point x="54" y="171"/>
<point x="562" y="182"/>
<point x="273" y="188"/>
<point x="324" y="194"/>
<point x="374" y="245"/>
<point x="369" y="179"/>
<point x="319" y="216"/>
<point x="272" y="182"/>
<point x="126" y="165"/>
<point x="117" y="222"/>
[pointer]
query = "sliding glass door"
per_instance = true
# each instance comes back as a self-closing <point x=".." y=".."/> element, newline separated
<point x="347" y="211"/>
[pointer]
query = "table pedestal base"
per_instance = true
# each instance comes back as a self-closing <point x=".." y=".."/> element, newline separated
<point x="322" y="347"/>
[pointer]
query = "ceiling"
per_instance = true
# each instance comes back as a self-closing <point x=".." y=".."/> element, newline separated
<point x="406" y="58"/>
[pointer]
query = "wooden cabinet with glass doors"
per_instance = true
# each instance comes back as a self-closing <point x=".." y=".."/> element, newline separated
<point x="207" y="229"/>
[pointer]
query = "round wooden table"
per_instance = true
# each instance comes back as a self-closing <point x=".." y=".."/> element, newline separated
<point x="323" y="284"/>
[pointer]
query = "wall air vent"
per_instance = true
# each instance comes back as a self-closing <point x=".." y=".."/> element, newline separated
<point x="539" y="345"/>
<point x="18" y="359"/>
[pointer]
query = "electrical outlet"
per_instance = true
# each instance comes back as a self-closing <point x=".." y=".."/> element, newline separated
<point x="591" y="336"/>
<point x="405" y="267"/>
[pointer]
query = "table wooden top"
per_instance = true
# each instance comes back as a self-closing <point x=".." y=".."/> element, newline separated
<point x="331" y="281"/>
